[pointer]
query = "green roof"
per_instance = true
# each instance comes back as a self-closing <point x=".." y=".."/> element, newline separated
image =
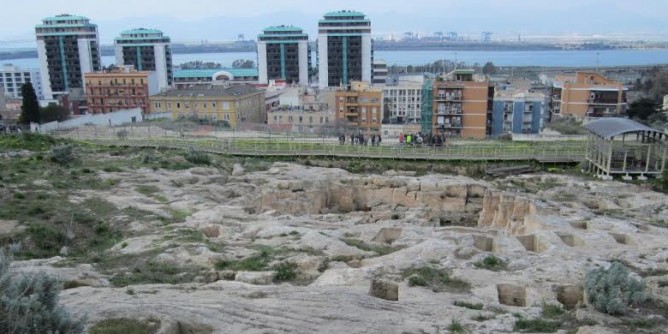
<point x="65" y="17"/>
<point x="141" y="31"/>
<point x="237" y="72"/>
<point x="283" y="29"/>
<point x="349" y="13"/>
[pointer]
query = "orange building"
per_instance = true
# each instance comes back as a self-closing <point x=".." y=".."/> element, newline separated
<point x="588" y="94"/>
<point x="118" y="89"/>
<point x="360" y="106"/>
<point x="461" y="105"/>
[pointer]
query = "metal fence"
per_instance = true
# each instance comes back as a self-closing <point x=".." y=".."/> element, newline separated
<point x="257" y="143"/>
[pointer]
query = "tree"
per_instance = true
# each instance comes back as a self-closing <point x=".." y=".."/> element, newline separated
<point x="642" y="109"/>
<point x="29" y="303"/>
<point x="243" y="63"/>
<point x="657" y="85"/>
<point x="54" y="112"/>
<point x="30" y="106"/>
<point x="489" y="68"/>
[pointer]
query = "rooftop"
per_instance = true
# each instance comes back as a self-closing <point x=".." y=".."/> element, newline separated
<point x="283" y="28"/>
<point x="139" y="31"/>
<point x="210" y="91"/>
<point x="344" y="13"/>
<point x="237" y="72"/>
<point x="65" y="17"/>
<point x="610" y="127"/>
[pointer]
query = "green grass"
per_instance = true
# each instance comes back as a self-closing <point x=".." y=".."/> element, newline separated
<point x="472" y="306"/>
<point x="456" y="327"/>
<point x="147" y="190"/>
<point x="151" y="272"/>
<point x="536" y="325"/>
<point x="28" y="141"/>
<point x="490" y="262"/>
<point x="379" y="249"/>
<point x="437" y="279"/>
<point x="125" y="326"/>
<point x="552" y="310"/>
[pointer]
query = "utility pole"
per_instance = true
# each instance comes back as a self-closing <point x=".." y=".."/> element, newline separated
<point x="598" y="58"/>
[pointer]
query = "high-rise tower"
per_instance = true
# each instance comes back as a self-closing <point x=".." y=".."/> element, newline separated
<point x="344" y="48"/>
<point x="67" y="47"/>
<point x="146" y="50"/>
<point x="283" y="53"/>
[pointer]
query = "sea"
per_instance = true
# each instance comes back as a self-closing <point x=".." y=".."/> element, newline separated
<point x="559" y="58"/>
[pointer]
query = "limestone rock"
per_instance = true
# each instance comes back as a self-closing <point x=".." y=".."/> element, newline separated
<point x="237" y="170"/>
<point x="384" y="290"/>
<point x="255" y="277"/>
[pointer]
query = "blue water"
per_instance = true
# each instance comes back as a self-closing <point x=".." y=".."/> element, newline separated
<point x="499" y="58"/>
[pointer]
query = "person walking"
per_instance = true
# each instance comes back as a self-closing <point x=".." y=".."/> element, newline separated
<point x="373" y="139"/>
<point x="401" y="138"/>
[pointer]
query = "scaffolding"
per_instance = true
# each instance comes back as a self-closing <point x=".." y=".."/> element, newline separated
<point x="426" y="113"/>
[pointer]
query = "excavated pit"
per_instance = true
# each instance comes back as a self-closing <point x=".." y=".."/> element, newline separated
<point x="580" y="225"/>
<point x="512" y="295"/>
<point x="570" y="296"/>
<point x="483" y="243"/>
<point x="570" y="239"/>
<point x="623" y="239"/>
<point x="532" y="243"/>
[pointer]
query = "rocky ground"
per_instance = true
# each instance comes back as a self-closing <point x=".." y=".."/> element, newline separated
<point x="292" y="248"/>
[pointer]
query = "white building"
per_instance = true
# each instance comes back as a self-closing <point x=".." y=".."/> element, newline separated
<point x="344" y="49"/>
<point x="283" y="53"/>
<point x="665" y="103"/>
<point x="12" y="78"/>
<point x="379" y="72"/>
<point x="67" y="47"/>
<point x="146" y="50"/>
<point x="403" y="101"/>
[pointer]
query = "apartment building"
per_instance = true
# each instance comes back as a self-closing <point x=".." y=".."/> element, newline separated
<point x="359" y="106"/>
<point x="588" y="94"/>
<point x="232" y="76"/>
<point x="300" y="108"/>
<point x="67" y="47"/>
<point x="13" y="77"/>
<point x="231" y="104"/>
<point x="345" y="52"/>
<point x="146" y="50"/>
<point x="379" y="72"/>
<point x="283" y="53"/>
<point x="402" y="101"/>
<point x="460" y="105"/>
<point x="517" y="111"/>
<point x="120" y="88"/>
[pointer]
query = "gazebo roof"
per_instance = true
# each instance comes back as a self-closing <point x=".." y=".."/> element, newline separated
<point x="610" y="127"/>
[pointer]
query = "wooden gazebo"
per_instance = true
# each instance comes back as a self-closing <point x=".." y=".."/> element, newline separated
<point x="625" y="147"/>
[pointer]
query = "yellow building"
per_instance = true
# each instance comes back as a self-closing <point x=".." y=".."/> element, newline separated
<point x="233" y="104"/>
<point x="360" y="106"/>
<point x="588" y="94"/>
<point x="461" y="105"/>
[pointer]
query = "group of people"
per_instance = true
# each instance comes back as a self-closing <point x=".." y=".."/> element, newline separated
<point x="419" y="139"/>
<point x="359" y="139"/>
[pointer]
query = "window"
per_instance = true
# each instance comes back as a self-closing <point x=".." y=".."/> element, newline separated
<point x="178" y="105"/>
<point x="213" y="105"/>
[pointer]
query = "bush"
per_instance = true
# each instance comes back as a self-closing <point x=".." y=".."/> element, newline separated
<point x="29" y="304"/>
<point x="122" y="134"/>
<point x="490" y="262"/>
<point x="536" y="325"/>
<point x="476" y="306"/>
<point x="63" y="154"/>
<point x="197" y="157"/>
<point x="613" y="290"/>
<point x="456" y="327"/>
<point x="285" y="271"/>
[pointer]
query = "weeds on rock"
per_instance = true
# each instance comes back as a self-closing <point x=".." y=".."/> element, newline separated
<point x="436" y="279"/>
<point x="490" y="262"/>
<point x="536" y="325"/>
<point x="125" y="326"/>
<point x="285" y="271"/>
<point x="456" y="327"/>
<point x="197" y="157"/>
<point x="472" y="306"/>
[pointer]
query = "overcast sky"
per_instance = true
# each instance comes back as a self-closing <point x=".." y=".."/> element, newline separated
<point x="218" y="20"/>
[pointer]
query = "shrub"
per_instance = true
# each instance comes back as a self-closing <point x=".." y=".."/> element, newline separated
<point x="63" y="154"/>
<point x="197" y="157"/>
<point x="29" y="304"/>
<point x="477" y="306"/>
<point x="285" y="271"/>
<point x="456" y="327"/>
<point x="536" y="325"/>
<point x="490" y="262"/>
<point x="613" y="290"/>
<point x="122" y="134"/>
<point x="435" y="278"/>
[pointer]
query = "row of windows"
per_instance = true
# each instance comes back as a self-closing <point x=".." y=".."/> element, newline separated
<point x="225" y="105"/>
<point x="115" y="82"/>
<point x="291" y="119"/>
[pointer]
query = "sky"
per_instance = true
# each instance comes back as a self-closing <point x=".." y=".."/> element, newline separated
<point x="222" y="20"/>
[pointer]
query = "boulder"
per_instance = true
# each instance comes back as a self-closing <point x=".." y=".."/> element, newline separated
<point x="237" y="170"/>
